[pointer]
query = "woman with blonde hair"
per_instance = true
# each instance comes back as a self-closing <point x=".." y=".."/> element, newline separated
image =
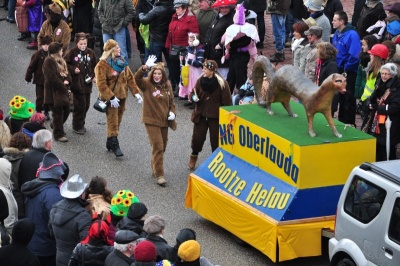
<point x="5" y="134"/>
<point x="114" y="77"/>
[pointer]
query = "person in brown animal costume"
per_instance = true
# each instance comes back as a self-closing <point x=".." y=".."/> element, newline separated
<point x="158" y="112"/>
<point x="114" y="77"/>
<point x="81" y="62"/>
<point x="56" y="89"/>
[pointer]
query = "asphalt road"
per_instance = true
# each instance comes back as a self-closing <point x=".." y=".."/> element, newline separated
<point x="88" y="156"/>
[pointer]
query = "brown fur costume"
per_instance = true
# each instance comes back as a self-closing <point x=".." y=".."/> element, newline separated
<point x="106" y="78"/>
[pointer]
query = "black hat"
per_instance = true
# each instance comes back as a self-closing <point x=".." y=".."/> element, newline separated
<point x="50" y="167"/>
<point x="137" y="210"/>
<point x="54" y="47"/>
<point x="125" y="237"/>
<point x="23" y="231"/>
<point x="184" y="235"/>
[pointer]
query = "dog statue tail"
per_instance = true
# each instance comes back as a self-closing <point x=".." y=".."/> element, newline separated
<point x="261" y="65"/>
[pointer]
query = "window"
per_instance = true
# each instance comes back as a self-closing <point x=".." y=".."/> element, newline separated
<point x="394" y="227"/>
<point x="364" y="200"/>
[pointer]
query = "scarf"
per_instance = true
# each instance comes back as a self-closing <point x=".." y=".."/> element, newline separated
<point x="318" y="70"/>
<point x="209" y="84"/>
<point x="118" y="64"/>
<point x="296" y="43"/>
<point x="316" y="14"/>
<point x="61" y="65"/>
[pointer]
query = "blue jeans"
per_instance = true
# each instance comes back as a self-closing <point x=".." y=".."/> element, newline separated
<point x="279" y="31"/>
<point x="157" y="49"/>
<point x="128" y="42"/>
<point x="120" y="38"/>
<point x="11" y="9"/>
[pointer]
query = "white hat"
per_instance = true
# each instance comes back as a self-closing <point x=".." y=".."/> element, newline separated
<point x="73" y="187"/>
<point x="314" y="5"/>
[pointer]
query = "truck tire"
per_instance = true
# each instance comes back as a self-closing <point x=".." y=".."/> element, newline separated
<point x="345" y="262"/>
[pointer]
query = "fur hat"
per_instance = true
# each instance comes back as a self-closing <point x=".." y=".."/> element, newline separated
<point x="46" y="39"/>
<point x="221" y="3"/>
<point x="314" y="5"/>
<point x="178" y="3"/>
<point x="189" y="251"/>
<point x="121" y="202"/>
<point x="310" y="22"/>
<point x="110" y="43"/>
<point x="21" y="108"/>
<point x="51" y="167"/>
<point x="391" y="67"/>
<point x="210" y="65"/>
<point x="136" y="211"/>
<point x="55" y="47"/>
<point x="73" y="187"/>
<point x="125" y="237"/>
<point x="55" y="8"/>
<point x="145" y="251"/>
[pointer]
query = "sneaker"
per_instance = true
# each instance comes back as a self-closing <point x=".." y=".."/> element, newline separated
<point x="161" y="181"/>
<point x="33" y="45"/>
<point x="79" y="131"/>
<point x="277" y="57"/>
<point x="62" y="139"/>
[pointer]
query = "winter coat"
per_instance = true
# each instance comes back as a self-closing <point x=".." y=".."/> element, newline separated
<point x="40" y="195"/>
<point x="204" y="19"/>
<point x="115" y="14"/>
<point x="97" y="29"/>
<point x="55" y="91"/>
<point x="360" y="81"/>
<point x="17" y="254"/>
<point x="358" y="6"/>
<point x="209" y="103"/>
<point x="29" y="165"/>
<point x="14" y="125"/>
<point x="158" y="20"/>
<point x="164" y="251"/>
<point x="328" y="67"/>
<point x="117" y="258"/>
<point x="90" y="254"/>
<point x="35" y="67"/>
<point x="86" y="62"/>
<point x="256" y="5"/>
<point x="311" y="60"/>
<point x="141" y="263"/>
<point x="348" y="45"/>
<point x="83" y="16"/>
<point x="61" y="33"/>
<point x="132" y="225"/>
<point x="106" y="77"/>
<point x="368" y="17"/>
<point x="282" y="7"/>
<point x="179" y="28"/>
<point x="323" y="22"/>
<point x="155" y="109"/>
<point x="69" y="222"/>
<point x="390" y="108"/>
<point x="14" y="156"/>
<point x="35" y="15"/>
<point x="298" y="53"/>
<point x="214" y="34"/>
<point x="6" y="189"/>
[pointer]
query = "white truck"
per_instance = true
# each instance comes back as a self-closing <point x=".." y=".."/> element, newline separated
<point x="367" y="228"/>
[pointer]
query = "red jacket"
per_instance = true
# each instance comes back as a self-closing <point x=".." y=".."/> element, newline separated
<point x="178" y="29"/>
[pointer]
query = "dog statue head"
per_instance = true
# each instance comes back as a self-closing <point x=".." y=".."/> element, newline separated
<point x="339" y="82"/>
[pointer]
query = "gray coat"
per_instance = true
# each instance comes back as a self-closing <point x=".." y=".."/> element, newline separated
<point x="115" y="14"/>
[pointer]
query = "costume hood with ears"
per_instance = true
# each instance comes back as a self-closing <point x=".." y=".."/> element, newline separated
<point x="159" y="66"/>
<point x="54" y="13"/>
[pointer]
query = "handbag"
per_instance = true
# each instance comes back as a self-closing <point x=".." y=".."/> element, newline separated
<point x="185" y="75"/>
<point x="176" y="49"/>
<point x="101" y="105"/>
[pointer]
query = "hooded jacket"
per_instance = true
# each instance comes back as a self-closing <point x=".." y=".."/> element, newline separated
<point x="69" y="223"/>
<point x="40" y="195"/>
<point x="5" y="186"/>
<point x="348" y="46"/>
<point x="17" y="253"/>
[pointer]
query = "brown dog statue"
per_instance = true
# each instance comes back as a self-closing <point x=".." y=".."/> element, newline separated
<point x="289" y="81"/>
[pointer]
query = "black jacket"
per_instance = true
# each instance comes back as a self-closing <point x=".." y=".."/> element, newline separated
<point x="164" y="251"/>
<point x="92" y="254"/>
<point x="158" y="18"/>
<point x="132" y="225"/>
<point x="214" y="34"/>
<point x="368" y="17"/>
<point x="69" y="221"/>
<point x="328" y="67"/>
<point x="117" y="258"/>
<point x="29" y="165"/>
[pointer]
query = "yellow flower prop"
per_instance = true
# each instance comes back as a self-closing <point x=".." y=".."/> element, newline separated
<point x="21" y="108"/>
<point x="121" y="202"/>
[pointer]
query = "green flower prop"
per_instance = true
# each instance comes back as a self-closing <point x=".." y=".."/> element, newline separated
<point x="21" y="108"/>
<point x="121" y="201"/>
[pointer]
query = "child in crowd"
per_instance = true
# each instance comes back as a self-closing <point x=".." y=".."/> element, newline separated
<point x="245" y="94"/>
<point x="81" y="62"/>
<point x="35" y="70"/>
<point x="195" y="59"/>
<point x="36" y="123"/>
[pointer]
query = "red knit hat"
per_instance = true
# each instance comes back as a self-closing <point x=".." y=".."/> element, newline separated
<point x="145" y="251"/>
<point x="220" y="3"/>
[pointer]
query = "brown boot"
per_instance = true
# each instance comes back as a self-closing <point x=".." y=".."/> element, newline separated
<point x="192" y="161"/>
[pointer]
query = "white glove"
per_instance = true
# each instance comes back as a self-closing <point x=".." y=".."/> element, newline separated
<point x="151" y="61"/>
<point x="114" y="102"/>
<point x="171" y="116"/>
<point x="139" y="98"/>
<point x="195" y="98"/>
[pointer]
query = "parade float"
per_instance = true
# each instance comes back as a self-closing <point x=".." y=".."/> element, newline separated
<point x="272" y="185"/>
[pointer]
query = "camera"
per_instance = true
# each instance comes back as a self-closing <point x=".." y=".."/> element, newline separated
<point x="88" y="79"/>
